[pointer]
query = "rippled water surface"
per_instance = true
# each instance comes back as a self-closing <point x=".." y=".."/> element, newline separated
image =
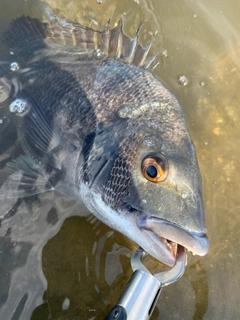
<point x="56" y="260"/>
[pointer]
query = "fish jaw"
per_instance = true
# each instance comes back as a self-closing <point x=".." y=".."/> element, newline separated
<point x="156" y="236"/>
<point x="163" y="237"/>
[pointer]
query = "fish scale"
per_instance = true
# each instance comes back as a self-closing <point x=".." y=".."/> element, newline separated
<point x="89" y="114"/>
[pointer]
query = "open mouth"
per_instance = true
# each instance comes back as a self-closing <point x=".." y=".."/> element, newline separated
<point x="163" y="237"/>
<point x="172" y="246"/>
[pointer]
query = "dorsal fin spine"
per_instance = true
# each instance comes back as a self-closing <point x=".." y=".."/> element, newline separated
<point x="119" y="45"/>
<point x="133" y="49"/>
<point x="107" y="41"/>
<point x="73" y="36"/>
<point x="146" y="52"/>
<point x="95" y="40"/>
<point x="152" y="62"/>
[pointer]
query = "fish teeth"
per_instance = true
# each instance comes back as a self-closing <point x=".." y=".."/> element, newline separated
<point x="172" y="246"/>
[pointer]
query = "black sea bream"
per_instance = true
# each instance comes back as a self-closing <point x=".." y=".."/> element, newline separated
<point x="92" y="122"/>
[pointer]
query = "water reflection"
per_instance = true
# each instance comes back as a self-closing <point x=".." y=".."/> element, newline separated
<point x="81" y="271"/>
<point x="90" y="273"/>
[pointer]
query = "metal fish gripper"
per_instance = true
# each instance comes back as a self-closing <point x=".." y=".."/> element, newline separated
<point x="142" y="292"/>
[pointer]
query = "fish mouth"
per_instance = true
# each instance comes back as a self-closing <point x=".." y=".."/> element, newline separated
<point x="162" y="238"/>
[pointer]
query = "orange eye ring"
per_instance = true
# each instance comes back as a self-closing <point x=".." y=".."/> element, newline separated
<point x="154" y="168"/>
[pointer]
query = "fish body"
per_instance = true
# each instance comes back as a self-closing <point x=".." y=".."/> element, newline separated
<point x="93" y="122"/>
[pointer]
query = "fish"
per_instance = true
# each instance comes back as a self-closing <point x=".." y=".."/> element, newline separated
<point x="88" y="118"/>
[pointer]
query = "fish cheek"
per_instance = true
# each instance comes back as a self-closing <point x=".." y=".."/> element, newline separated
<point x="120" y="180"/>
<point x="118" y="183"/>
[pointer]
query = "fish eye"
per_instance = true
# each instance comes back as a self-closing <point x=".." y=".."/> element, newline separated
<point x="154" y="168"/>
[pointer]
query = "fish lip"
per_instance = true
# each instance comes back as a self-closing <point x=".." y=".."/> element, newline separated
<point x="159" y="232"/>
<point x="159" y="249"/>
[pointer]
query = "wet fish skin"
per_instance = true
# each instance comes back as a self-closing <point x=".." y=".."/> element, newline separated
<point x="91" y="118"/>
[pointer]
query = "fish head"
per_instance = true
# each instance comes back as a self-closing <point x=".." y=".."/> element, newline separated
<point x="166" y="189"/>
<point x="153" y="182"/>
<point x="166" y="194"/>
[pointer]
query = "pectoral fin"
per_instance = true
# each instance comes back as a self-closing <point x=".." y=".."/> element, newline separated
<point x="21" y="177"/>
<point x="39" y="137"/>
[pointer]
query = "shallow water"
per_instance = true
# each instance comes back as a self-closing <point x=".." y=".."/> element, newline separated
<point x="59" y="262"/>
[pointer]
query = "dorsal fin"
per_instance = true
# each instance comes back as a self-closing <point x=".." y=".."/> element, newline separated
<point x="108" y="42"/>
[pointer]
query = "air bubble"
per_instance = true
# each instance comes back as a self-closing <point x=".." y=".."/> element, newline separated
<point x="164" y="52"/>
<point x="99" y="1"/>
<point x="11" y="53"/>
<point x="66" y="304"/>
<point x="184" y="195"/>
<point x="1" y="121"/>
<point x="18" y="106"/>
<point x="144" y="201"/>
<point x="14" y="66"/>
<point x="183" y="80"/>
<point x="99" y="53"/>
<point x="202" y="83"/>
<point x="206" y="143"/>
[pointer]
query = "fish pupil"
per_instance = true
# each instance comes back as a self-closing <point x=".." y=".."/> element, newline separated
<point x="151" y="171"/>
